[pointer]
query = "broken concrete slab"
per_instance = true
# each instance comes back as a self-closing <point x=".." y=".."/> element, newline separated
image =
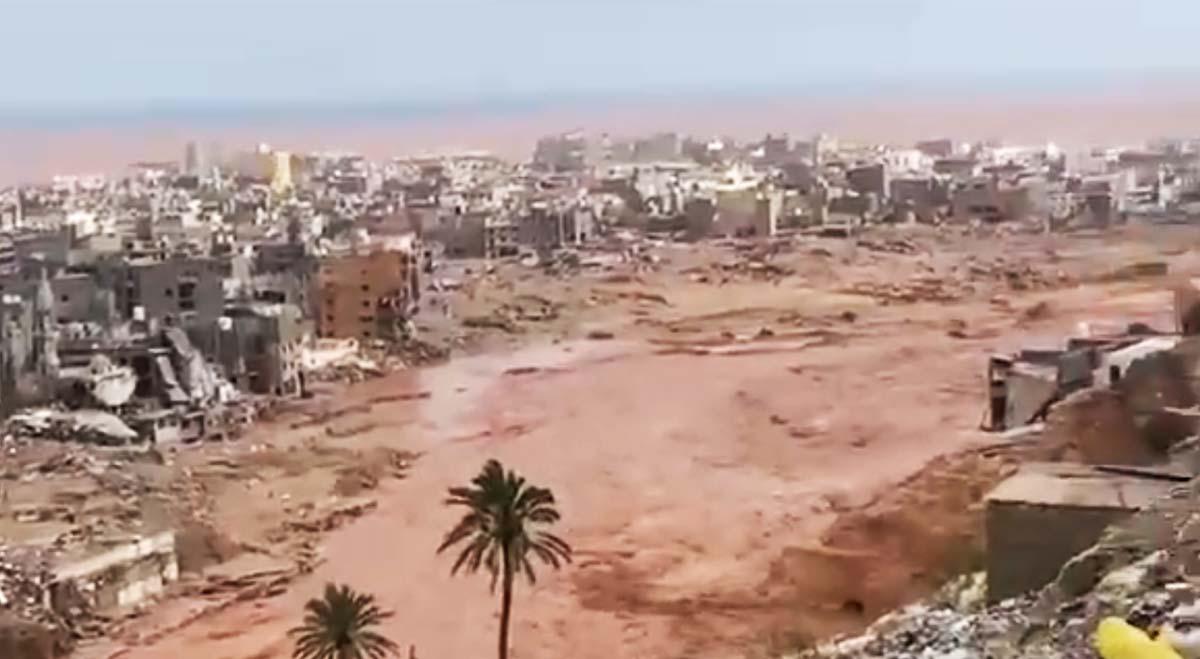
<point x="1078" y="502"/>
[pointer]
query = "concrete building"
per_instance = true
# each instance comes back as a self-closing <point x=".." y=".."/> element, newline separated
<point x="1076" y="501"/>
<point x="183" y="290"/>
<point x="906" y="161"/>
<point x="736" y="205"/>
<point x="500" y="238"/>
<point x="990" y="200"/>
<point x="367" y="295"/>
<point x="463" y="235"/>
<point x="700" y="213"/>
<point x="120" y="577"/>
<point x="258" y="346"/>
<point x="561" y="153"/>
<point x="776" y="150"/>
<point x="922" y="196"/>
<point x="868" y="179"/>
<point x="546" y="226"/>
<point x="658" y="147"/>
<point x="81" y="297"/>
<point x="957" y="169"/>
<point x="191" y="159"/>
<point x="767" y="211"/>
<point x="862" y="206"/>
<point x="939" y="148"/>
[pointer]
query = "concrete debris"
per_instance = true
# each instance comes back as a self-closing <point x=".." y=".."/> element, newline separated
<point x="335" y="360"/>
<point x="334" y="518"/>
<point x="919" y="288"/>
<point x="1143" y="569"/>
<point x="323" y="353"/>
<point x="93" y="426"/>
<point x="495" y="320"/>
<point x="1140" y="269"/>
<point x="892" y="246"/>
<point x="106" y="384"/>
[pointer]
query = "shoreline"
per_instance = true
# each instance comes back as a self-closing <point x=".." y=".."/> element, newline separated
<point x="1106" y="115"/>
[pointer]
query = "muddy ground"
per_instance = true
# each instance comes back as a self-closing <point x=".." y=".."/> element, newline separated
<point x="755" y="447"/>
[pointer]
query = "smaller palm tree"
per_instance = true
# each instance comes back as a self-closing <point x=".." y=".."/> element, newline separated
<point x="341" y="625"/>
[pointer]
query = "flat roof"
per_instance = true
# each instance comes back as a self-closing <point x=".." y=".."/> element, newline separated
<point x="1077" y="486"/>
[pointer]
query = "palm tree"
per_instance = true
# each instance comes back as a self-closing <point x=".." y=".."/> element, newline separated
<point x="340" y="625"/>
<point x="501" y="529"/>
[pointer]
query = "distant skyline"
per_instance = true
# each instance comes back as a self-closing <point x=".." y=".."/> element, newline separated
<point x="64" y="58"/>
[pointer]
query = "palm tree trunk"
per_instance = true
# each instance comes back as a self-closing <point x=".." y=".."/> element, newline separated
<point x="505" y="607"/>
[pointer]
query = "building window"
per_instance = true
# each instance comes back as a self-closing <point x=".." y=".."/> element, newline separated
<point x="170" y="292"/>
<point x="366" y="304"/>
<point x="365" y="288"/>
<point x="187" y="296"/>
<point x="63" y="298"/>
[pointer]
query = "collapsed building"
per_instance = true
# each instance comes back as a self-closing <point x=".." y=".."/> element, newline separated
<point x="1120" y="409"/>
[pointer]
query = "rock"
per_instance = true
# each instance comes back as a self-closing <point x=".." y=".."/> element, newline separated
<point x="600" y="335"/>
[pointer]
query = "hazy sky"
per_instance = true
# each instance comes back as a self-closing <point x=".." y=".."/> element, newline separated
<point x="131" y="54"/>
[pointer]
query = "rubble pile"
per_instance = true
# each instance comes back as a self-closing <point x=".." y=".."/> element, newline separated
<point x="333" y="518"/>
<point x="25" y="580"/>
<point x="415" y="352"/>
<point x="890" y="246"/>
<point x="1016" y="274"/>
<point x="334" y="360"/>
<point x="494" y="320"/>
<point x="24" y="574"/>
<point x="920" y="288"/>
<point x="1145" y="570"/>
<point x="92" y="426"/>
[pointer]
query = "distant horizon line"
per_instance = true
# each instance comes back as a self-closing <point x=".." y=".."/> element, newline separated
<point x="219" y="111"/>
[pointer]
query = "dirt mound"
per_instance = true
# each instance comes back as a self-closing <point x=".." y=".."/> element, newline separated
<point x="894" y="550"/>
<point x="198" y="546"/>
<point x="355" y="480"/>
<point x="1094" y="426"/>
<point x="369" y="468"/>
<point x="1132" y="422"/>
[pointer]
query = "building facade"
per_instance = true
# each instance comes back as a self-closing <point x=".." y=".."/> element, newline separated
<point x="366" y="296"/>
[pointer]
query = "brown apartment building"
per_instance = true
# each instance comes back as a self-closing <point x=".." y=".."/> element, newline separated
<point x="366" y="296"/>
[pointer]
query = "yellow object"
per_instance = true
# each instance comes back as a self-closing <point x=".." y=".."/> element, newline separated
<point x="1117" y="639"/>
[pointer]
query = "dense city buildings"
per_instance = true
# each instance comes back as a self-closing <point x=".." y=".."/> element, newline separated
<point x="177" y="302"/>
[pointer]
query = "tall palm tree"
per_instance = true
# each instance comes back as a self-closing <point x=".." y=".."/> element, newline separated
<point x="341" y="625"/>
<point x="503" y="527"/>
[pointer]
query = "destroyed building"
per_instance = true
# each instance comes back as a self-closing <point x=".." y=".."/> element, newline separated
<point x="992" y="200"/>
<point x="183" y="290"/>
<point x="500" y="238"/>
<point x="547" y="226"/>
<point x="368" y="295"/>
<point x="257" y="346"/>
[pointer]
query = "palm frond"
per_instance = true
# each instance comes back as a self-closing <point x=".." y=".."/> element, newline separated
<point x="341" y="624"/>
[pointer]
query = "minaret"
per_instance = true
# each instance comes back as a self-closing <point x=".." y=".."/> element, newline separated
<point x="45" y="329"/>
<point x="19" y="218"/>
